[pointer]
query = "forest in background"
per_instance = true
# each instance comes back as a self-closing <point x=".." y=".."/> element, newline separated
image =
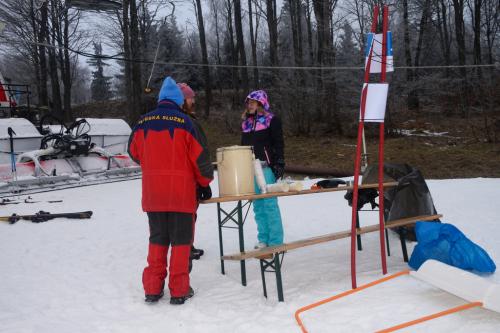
<point x="307" y="54"/>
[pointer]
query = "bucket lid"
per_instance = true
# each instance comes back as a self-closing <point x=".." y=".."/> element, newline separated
<point x="234" y="148"/>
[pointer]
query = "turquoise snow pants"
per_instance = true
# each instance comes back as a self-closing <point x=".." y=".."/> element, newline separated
<point x="267" y="215"/>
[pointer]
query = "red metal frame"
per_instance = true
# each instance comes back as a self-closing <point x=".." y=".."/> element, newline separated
<point x="357" y="162"/>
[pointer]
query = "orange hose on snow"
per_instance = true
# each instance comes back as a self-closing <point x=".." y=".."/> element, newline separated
<point x="432" y="316"/>
<point x="346" y="293"/>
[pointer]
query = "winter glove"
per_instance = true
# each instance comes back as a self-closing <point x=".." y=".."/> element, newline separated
<point x="278" y="168"/>
<point x="204" y="193"/>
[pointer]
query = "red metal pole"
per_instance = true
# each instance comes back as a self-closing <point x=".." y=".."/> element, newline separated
<point x="381" y="145"/>
<point x="385" y="23"/>
<point x="357" y="161"/>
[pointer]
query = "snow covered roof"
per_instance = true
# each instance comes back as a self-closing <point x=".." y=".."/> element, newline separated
<point x="22" y="127"/>
<point x="108" y="126"/>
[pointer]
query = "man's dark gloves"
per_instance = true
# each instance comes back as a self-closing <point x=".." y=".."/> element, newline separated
<point x="204" y="193"/>
<point x="279" y="168"/>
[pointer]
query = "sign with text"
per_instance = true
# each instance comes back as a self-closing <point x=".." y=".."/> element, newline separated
<point x="375" y="41"/>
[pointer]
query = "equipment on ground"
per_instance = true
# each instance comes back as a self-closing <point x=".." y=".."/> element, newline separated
<point x="89" y="151"/>
<point x="29" y="200"/>
<point x="411" y="197"/>
<point x="42" y="216"/>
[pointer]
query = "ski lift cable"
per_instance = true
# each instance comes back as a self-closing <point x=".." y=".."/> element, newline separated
<point x="143" y="61"/>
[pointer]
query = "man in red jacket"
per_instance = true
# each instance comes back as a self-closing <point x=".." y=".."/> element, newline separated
<point x="167" y="146"/>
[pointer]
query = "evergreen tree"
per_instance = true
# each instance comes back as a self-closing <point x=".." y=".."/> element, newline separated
<point x="348" y="51"/>
<point x="172" y="50"/>
<point x="101" y="86"/>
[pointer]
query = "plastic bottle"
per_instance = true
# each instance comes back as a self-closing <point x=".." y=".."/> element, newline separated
<point x="259" y="176"/>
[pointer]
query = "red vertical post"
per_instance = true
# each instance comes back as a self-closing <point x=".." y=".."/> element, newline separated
<point x="381" y="145"/>
<point x="357" y="161"/>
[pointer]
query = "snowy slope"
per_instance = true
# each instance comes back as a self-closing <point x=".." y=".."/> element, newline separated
<point x="85" y="275"/>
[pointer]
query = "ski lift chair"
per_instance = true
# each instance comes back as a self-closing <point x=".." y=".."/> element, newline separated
<point x="95" y="5"/>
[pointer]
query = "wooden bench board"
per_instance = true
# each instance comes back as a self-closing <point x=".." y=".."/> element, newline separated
<point x="326" y="238"/>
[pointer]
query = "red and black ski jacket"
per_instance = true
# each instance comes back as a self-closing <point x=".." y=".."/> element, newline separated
<point x="169" y="149"/>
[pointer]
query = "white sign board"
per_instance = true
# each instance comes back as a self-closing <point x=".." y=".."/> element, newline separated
<point x="376" y="101"/>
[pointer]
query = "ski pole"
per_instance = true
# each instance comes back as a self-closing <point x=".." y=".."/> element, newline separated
<point x="12" y="155"/>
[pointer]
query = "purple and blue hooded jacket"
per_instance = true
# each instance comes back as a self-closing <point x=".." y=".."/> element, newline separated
<point x="263" y="131"/>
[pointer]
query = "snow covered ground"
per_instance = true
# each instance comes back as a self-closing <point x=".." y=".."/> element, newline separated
<point x="85" y="275"/>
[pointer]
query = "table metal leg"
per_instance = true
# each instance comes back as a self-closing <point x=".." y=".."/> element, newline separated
<point x="279" y="284"/>
<point x="242" y="243"/>
<point x="263" y="276"/>
<point x="358" y="237"/>
<point x="236" y="216"/>
<point x="273" y="265"/>
<point x="221" y="245"/>
<point x="387" y="242"/>
<point x="402" y="236"/>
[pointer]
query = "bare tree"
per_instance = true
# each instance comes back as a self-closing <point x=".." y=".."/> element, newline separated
<point x="204" y="56"/>
<point x="240" y="43"/>
<point x="323" y="10"/>
<point x="136" y="65"/>
<point x="309" y="31"/>
<point x="444" y="30"/>
<point x="53" y="70"/>
<point x="215" y="15"/>
<point x="42" y="40"/>
<point x="272" y="24"/>
<point x="46" y="42"/>
<point x="125" y="26"/>
<point x="491" y="19"/>
<point x="476" y="22"/>
<point x="232" y="48"/>
<point x="458" y="7"/>
<point x="253" y="42"/>
<point x="268" y="10"/>
<point x="296" y="22"/>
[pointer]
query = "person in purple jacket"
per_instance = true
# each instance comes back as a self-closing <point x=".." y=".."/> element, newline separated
<point x="262" y="130"/>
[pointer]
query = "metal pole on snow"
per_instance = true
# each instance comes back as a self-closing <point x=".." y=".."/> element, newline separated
<point x="12" y="153"/>
<point x="381" y="146"/>
<point x="361" y="143"/>
<point x="357" y="161"/>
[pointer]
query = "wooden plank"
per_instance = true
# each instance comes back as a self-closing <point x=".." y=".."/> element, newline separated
<point x="284" y="194"/>
<point x="327" y="238"/>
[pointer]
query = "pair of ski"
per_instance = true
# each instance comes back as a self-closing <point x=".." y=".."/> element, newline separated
<point x="42" y="216"/>
<point x="29" y="200"/>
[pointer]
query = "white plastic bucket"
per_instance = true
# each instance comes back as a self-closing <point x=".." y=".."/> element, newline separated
<point x="235" y="170"/>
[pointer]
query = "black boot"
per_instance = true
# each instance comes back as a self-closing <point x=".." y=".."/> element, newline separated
<point x="182" y="299"/>
<point x="153" y="298"/>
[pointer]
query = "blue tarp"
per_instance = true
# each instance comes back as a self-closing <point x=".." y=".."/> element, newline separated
<point x="445" y="243"/>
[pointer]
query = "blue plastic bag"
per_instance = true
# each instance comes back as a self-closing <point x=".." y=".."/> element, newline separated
<point x="445" y="243"/>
